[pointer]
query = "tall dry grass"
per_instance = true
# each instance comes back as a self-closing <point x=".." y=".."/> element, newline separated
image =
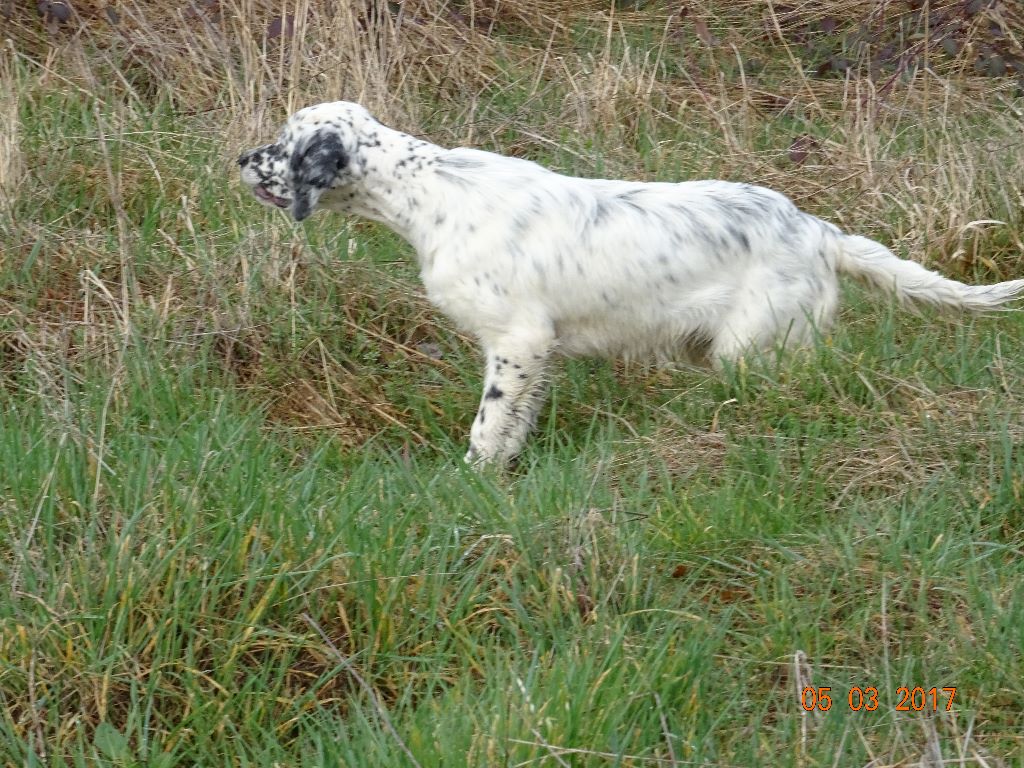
<point x="730" y="68"/>
<point x="11" y="166"/>
<point x="721" y="90"/>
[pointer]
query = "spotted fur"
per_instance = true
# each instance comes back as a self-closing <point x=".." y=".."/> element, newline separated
<point x="534" y="263"/>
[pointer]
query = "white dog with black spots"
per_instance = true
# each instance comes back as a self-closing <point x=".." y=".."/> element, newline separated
<point x="534" y="263"/>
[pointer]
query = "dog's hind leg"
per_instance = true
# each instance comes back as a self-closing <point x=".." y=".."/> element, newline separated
<point x="515" y="388"/>
<point x="766" y="320"/>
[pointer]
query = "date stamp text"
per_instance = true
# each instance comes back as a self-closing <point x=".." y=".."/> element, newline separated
<point x="916" y="699"/>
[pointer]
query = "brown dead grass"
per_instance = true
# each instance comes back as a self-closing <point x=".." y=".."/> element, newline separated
<point x="11" y="163"/>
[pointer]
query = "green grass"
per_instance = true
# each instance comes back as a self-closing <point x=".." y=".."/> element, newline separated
<point x="232" y="500"/>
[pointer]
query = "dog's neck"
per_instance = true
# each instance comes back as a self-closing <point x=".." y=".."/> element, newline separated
<point x="390" y="170"/>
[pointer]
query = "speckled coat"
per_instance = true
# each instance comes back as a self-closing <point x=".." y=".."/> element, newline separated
<point x="533" y="263"/>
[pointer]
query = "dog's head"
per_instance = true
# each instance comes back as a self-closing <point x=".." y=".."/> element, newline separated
<point x="313" y="154"/>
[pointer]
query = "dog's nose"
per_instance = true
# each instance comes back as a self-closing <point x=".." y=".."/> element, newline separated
<point x="243" y="157"/>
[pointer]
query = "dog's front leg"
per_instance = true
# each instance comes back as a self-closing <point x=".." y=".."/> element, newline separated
<point x="515" y="387"/>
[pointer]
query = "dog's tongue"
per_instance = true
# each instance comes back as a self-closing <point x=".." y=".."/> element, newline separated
<point x="264" y="194"/>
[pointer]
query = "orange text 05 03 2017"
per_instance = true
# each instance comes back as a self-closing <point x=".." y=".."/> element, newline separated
<point x="867" y="699"/>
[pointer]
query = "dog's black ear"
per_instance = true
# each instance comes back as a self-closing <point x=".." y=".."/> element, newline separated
<point x="315" y="164"/>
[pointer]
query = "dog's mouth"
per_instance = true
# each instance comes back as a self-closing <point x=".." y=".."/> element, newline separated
<point x="267" y="196"/>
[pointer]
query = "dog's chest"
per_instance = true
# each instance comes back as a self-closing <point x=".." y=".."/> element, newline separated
<point x="475" y="298"/>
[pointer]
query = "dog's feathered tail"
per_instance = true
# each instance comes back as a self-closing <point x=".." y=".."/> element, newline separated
<point x="875" y="264"/>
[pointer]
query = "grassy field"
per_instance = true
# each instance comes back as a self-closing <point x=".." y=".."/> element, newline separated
<point x="235" y="529"/>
